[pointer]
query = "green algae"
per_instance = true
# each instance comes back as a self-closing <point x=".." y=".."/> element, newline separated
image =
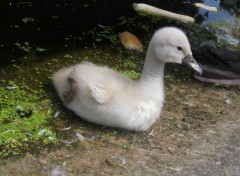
<point x="20" y="133"/>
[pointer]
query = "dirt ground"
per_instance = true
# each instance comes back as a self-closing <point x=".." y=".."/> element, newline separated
<point x="198" y="134"/>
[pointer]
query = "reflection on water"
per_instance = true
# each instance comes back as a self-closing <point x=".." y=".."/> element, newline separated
<point x="221" y="15"/>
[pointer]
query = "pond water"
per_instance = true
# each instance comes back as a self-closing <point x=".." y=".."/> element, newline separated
<point x="222" y="14"/>
<point x="55" y="25"/>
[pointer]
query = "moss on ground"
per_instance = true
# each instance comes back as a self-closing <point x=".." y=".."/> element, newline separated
<point x="24" y="119"/>
<point x="128" y="68"/>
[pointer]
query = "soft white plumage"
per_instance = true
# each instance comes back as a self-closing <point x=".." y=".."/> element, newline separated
<point x="108" y="98"/>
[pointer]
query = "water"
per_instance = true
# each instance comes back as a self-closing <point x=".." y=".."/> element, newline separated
<point x="55" y="26"/>
<point x="221" y="15"/>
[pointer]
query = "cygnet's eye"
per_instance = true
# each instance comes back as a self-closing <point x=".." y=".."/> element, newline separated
<point x="179" y="48"/>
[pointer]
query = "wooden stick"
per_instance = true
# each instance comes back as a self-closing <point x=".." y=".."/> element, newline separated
<point x="209" y="8"/>
<point x="156" y="11"/>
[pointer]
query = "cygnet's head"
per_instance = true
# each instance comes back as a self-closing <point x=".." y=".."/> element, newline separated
<point x="170" y="44"/>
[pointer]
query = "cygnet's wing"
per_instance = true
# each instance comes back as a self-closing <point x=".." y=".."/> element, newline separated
<point x="100" y="83"/>
<point x="100" y="93"/>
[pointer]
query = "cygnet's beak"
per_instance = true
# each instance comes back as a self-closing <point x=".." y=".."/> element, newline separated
<point x="192" y="63"/>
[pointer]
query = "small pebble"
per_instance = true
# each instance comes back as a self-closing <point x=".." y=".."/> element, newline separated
<point x="41" y="132"/>
<point x="68" y="142"/>
<point x="10" y="87"/>
<point x="18" y="107"/>
<point x="56" y="114"/>
<point x="67" y="128"/>
<point x="121" y="160"/>
<point x="79" y="136"/>
<point x="57" y="171"/>
<point x="227" y="101"/>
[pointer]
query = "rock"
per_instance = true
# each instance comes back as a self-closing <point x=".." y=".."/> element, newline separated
<point x="57" y="171"/>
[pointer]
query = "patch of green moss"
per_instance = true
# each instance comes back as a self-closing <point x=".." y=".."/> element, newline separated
<point x="216" y="24"/>
<point x="129" y="64"/>
<point x="23" y="46"/>
<point x="39" y="49"/>
<point x="131" y="74"/>
<point x="24" y="119"/>
<point x="67" y="56"/>
<point x="107" y="34"/>
<point x="128" y="68"/>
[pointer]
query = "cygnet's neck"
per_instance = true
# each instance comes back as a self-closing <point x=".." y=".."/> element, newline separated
<point x="153" y="73"/>
<point x="153" y="69"/>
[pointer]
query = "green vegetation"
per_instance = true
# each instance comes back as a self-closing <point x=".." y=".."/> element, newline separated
<point x="24" y="119"/>
<point x="131" y="74"/>
<point x="216" y="24"/>
<point x="129" y="64"/>
<point x="40" y="50"/>
<point x="27" y="48"/>
<point x="107" y="34"/>
<point x="237" y="10"/>
<point x="67" y="56"/>
<point x="24" y="46"/>
<point x="128" y="68"/>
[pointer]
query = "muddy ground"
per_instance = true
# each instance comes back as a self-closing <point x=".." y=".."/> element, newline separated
<point x="198" y="134"/>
